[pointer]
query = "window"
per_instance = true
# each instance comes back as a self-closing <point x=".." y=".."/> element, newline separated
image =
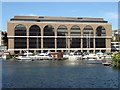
<point x="88" y="31"/>
<point x="34" y="30"/>
<point x="62" y="31"/>
<point x="100" y="31"/>
<point x="75" y="31"/>
<point x="48" y="30"/>
<point x="20" y="30"/>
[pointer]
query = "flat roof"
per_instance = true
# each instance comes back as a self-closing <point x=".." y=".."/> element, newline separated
<point x="57" y="19"/>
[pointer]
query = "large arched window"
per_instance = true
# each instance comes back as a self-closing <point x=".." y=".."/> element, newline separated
<point x="48" y="42"/>
<point x="20" y="30"/>
<point x="88" y="31"/>
<point x="48" y="30"/>
<point x="62" y="31"/>
<point x="34" y="30"/>
<point x="62" y="42"/>
<point x="100" y="31"/>
<point x="34" y="42"/>
<point x="87" y="41"/>
<point x="75" y="31"/>
<point x="74" y="41"/>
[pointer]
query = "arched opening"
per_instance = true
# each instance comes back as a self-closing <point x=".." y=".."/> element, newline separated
<point x="100" y="42"/>
<point x="48" y="30"/>
<point x="75" y="41"/>
<point x="34" y="30"/>
<point x="62" y="42"/>
<point x="34" y="42"/>
<point x="88" y="41"/>
<point x="100" y="31"/>
<point x="20" y="30"/>
<point x="49" y="42"/>
<point x="20" y="42"/>
<point x="62" y="31"/>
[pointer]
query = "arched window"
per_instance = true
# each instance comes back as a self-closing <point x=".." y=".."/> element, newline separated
<point x="34" y="42"/>
<point x="100" y="31"/>
<point x="88" y="31"/>
<point x="48" y="30"/>
<point x="88" y="42"/>
<point x="48" y="42"/>
<point x="20" y="30"/>
<point x="62" y="31"/>
<point x="34" y="30"/>
<point x="74" y="41"/>
<point x="75" y="31"/>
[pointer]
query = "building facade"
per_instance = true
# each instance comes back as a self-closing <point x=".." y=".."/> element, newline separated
<point x="115" y="46"/>
<point x="58" y="34"/>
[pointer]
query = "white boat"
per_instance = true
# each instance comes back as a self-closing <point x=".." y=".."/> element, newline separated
<point x="6" y="55"/>
<point x="73" y="56"/>
<point x="29" y="56"/>
<point x="91" y="57"/>
<point x="100" y="54"/>
<point x="42" y="56"/>
<point x="25" y="56"/>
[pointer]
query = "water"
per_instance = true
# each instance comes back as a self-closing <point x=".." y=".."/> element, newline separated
<point x="58" y="74"/>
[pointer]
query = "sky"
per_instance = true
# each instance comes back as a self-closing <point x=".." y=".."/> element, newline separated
<point x="106" y="10"/>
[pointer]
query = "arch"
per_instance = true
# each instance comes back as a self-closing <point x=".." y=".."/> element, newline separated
<point x="100" y="31"/>
<point x="34" y="30"/>
<point x="20" y="30"/>
<point x="88" y="31"/>
<point x="62" y="30"/>
<point x="75" y="31"/>
<point x="75" y="42"/>
<point x="49" y="30"/>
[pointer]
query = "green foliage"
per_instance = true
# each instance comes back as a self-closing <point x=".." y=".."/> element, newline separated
<point x="116" y="60"/>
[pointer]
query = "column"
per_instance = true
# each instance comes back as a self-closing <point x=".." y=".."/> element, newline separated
<point x="55" y="39"/>
<point x="55" y="44"/>
<point x="27" y="38"/>
<point x="41" y="39"/>
<point x="27" y="43"/>
<point x="94" y="44"/>
<point x="81" y="44"/>
<point x="68" y="38"/>
<point x="69" y="44"/>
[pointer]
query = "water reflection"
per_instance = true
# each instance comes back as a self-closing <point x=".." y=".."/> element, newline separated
<point x="58" y="74"/>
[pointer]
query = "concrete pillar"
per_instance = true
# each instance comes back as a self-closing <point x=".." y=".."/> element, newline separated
<point x="81" y="44"/>
<point x="108" y="45"/>
<point x="27" y="38"/>
<point x="41" y="39"/>
<point x="11" y="51"/>
<point x="34" y="51"/>
<point x="11" y="43"/>
<point x="20" y="51"/>
<point x="55" y="44"/>
<point x="94" y="44"/>
<point x="55" y="39"/>
<point x="27" y="43"/>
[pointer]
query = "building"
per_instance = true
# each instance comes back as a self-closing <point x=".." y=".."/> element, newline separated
<point x="0" y="38"/>
<point x="3" y="38"/>
<point x="115" y="44"/>
<point x="58" y="34"/>
<point x="116" y="35"/>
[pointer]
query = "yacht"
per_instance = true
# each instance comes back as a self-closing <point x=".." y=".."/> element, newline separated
<point x="42" y="56"/>
<point x="91" y="57"/>
<point x="76" y="55"/>
<point x="28" y="56"/>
